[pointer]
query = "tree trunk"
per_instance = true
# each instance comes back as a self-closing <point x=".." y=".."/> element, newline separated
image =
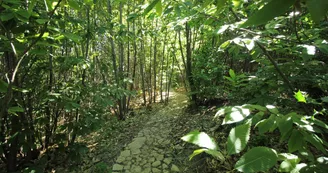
<point x="189" y="64"/>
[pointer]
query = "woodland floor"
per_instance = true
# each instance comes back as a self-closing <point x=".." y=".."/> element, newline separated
<point x="147" y="142"/>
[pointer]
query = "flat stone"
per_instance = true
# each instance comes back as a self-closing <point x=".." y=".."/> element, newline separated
<point x="168" y="160"/>
<point x="175" y="168"/>
<point x="159" y="157"/>
<point x="155" y="170"/>
<point x="120" y="159"/>
<point x="136" y="169"/>
<point x="137" y="143"/>
<point x="136" y="151"/>
<point x="117" y="167"/>
<point x="126" y="153"/>
<point x="152" y="160"/>
<point x="127" y="167"/>
<point x="156" y="164"/>
<point x="147" y="170"/>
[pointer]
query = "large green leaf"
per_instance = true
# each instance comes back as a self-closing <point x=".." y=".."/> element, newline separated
<point x="232" y="74"/>
<point x="201" y="139"/>
<point x="317" y="8"/>
<point x="257" y="159"/>
<point x="150" y="7"/>
<point x="285" y="125"/>
<point x="267" y="124"/>
<point x="273" y="9"/>
<point x="315" y="140"/>
<point x="295" y="142"/>
<point x="238" y="138"/>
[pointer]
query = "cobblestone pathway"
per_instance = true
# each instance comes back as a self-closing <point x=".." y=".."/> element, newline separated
<point x="149" y="151"/>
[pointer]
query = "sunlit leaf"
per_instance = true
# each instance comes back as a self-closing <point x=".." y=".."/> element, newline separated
<point x="233" y="114"/>
<point x="272" y="109"/>
<point x="238" y="138"/>
<point x="201" y="139"/>
<point x="232" y="74"/>
<point x="150" y="7"/>
<point x="300" y="97"/>
<point x="159" y="8"/>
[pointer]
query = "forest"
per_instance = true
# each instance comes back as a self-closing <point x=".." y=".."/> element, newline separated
<point x="163" y="86"/>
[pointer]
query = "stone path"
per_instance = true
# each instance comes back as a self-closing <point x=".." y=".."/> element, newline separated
<point x="149" y="151"/>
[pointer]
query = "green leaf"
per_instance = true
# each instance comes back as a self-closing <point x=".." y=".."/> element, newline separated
<point x="315" y="141"/>
<point x="273" y="9"/>
<point x="295" y="142"/>
<point x="150" y="7"/>
<point x="285" y="124"/>
<point x="233" y="114"/>
<point x="3" y="86"/>
<point x="299" y="97"/>
<point x="257" y="159"/>
<point x="197" y="152"/>
<point x="5" y="16"/>
<point x="232" y="74"/>
<point x="201" y="139"/>
<point x="220" y="4"/>
<point x="13" y="110"/>
<point x="318" y="9"/>
<point x="159" y="8"/>
<point x="216" y="154"/>
<point x="267" y="124"/>
<point x="74" y="4"/>
<point x="23" y="13"/>
<point x="74" y="37"/>
<point x="289" y="163"/>
<point x="272" y="109"/>
<point x="237" y="3"/>
<point x="213" y="153"/>
<point x="256" y="107"/>
<point x="324" y="99"/>
<point x="238" y="138"/>
<point x="41" y="21"/>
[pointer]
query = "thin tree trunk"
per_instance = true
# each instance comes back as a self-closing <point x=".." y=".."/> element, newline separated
<point x="162" y="65"/>
<point x="154" y="64"/>
<point x="189" y="64"/>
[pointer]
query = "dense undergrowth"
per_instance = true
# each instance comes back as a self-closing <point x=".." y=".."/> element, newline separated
<point x="68" y="65"/>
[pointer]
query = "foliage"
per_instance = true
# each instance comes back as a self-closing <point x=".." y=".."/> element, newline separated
<point x="301" y="133"/>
